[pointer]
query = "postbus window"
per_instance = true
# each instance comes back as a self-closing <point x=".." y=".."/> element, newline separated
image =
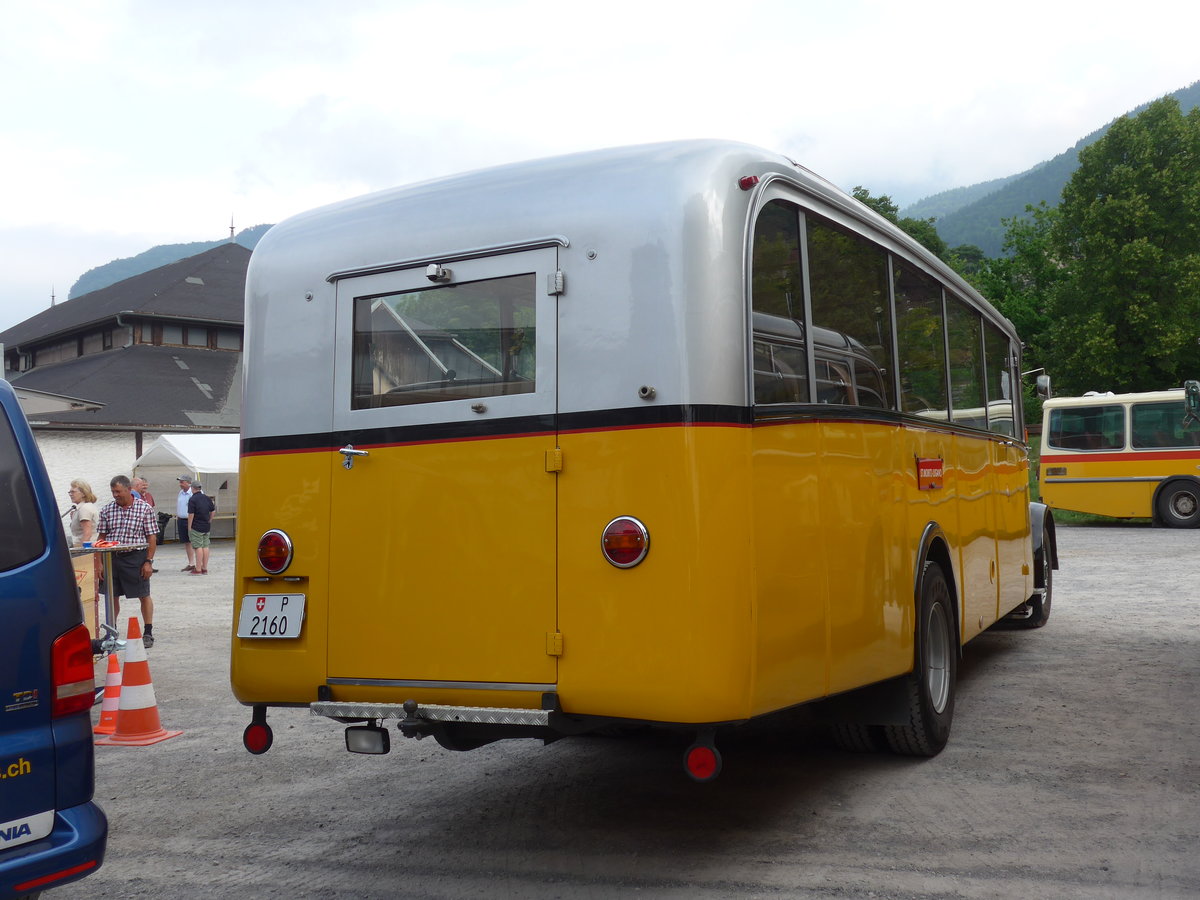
<point x="998" y="381"/>
<point x="848" y="284"/>
<point x="1087" y="428"/>
<point x="964" y="331"/>
<point x="919" y="335"/>
<point x="454" y="342"/>
<point x="780" y="367"/>
<point x="1160" y="425"/>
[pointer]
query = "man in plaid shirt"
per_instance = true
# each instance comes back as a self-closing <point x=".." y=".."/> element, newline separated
<point x="131" y="520"/>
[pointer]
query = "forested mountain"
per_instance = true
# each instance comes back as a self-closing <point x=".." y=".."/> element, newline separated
<point x="974" y="215"/>
<point x="163" y="254"/>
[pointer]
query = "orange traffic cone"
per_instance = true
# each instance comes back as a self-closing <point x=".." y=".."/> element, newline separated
<point x="137" y="716"/>
<point x="112" y="694"/>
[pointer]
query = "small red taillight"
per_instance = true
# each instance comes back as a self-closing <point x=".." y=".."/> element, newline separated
<point x="747" y="181"/>
<point x="72" y="672"/>
<point x="703" y="763"/>
<point x="274" y="551"/>
<point x="258" y="737"/>
<point x="625" y="542"/>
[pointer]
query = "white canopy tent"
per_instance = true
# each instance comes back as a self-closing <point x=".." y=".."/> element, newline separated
<point x="211" y="459"/>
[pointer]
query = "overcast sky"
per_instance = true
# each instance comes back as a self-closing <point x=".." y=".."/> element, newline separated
<point x="129" y="124"/>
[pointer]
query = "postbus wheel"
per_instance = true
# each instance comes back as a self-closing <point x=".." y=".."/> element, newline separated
<point x="930" y="688"/>
<point x="1179" y="504"/>
<point x="857" y="737"/>
<point x="1039" y="604"/>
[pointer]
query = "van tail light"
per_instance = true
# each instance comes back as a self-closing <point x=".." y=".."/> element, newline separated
<point x="72" y="672"/>
<point x="625" y="542"/>
<point x="274" y="551"/>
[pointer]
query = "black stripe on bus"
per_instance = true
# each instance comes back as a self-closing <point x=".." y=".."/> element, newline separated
<point x="650" y="416"/>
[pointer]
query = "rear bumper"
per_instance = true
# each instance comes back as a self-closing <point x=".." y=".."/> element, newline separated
<point x="74" y="848"/>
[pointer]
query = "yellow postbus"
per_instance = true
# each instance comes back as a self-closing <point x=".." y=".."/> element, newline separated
<point x="676" y="434"/>
<point x="1124" y="455"/>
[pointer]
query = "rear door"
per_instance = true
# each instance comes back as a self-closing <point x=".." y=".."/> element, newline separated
<point x="443" y="546"/>
<point x="37" y="604"/>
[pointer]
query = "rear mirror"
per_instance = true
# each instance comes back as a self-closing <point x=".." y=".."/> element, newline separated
<point x="1043" y="386"/>
<point x="1191" y="405"/>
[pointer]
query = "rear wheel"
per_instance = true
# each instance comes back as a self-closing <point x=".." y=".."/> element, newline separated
<point x="930" y="687"/>
<point x="1039" y="604"/>
<point x="1179" y="504"/>
<point x="857" y="737"/>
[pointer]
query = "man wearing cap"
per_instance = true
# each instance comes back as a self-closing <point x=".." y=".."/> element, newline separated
<point x="200" y="510"/>
<point x="181" y="520"/>
<point x="130" y="520"/>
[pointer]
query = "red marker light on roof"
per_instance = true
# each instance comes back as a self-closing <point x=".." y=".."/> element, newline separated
<point x="747" y="181"/>
<point x="625" y="542"/>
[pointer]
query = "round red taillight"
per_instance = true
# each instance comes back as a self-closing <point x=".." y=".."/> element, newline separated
<point x="702" y="763"/>
<point x="274" y="551"/>
<point x="258" y="737"/>
<point x="625" y="542"/>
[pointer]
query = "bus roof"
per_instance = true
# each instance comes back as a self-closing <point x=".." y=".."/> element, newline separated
<point x="567" y="195"/>
<point x="1097" y="398"/>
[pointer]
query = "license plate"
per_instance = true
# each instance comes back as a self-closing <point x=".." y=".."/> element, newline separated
<point x="271" y="616"/>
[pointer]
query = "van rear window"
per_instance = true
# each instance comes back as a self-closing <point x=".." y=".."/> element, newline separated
<point x="20" y="526"/>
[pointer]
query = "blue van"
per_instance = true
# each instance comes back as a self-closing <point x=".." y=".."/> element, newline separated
<point x="51" y="832"/>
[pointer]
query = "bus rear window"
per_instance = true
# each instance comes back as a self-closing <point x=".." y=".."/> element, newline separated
<point x="454" y="342"/>
<point x="1087" y="428"/>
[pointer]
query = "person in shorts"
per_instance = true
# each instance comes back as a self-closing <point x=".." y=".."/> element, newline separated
<point x="130" y="520"/>
<point x="199" y="524"/>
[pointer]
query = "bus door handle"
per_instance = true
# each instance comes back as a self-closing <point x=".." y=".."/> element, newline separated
<point x="349" y="452"/>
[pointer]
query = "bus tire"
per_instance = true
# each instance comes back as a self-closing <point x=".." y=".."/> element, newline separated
<point x="930" y="688"/>
<point x="1179" y="504"/>
<point x="856" y="737"/>
<point x="1039" y="604"/>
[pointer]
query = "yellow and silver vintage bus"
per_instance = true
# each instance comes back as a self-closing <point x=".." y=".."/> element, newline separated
<point x="676" y="434"/>
<point x="1124" y="455"/>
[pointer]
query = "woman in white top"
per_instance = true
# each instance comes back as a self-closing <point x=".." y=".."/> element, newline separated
<point x="83" y="513"/>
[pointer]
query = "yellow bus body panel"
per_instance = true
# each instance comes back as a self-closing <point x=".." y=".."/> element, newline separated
<point x="1117" y="495"/>
<point x="780" y="570"/>
<point x="289" y="491"/>
<point x="671" y="638"/>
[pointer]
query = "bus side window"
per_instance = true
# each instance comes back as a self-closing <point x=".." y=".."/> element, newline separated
<point x="920" y="337"/>
<point x="777" y="299"/>
<point x="965" y="335"/>
<point x="1160" y="425"/>
<point x="1087" y="428"/>
<point x="998" y="381"/>
<point x="848" y="281"/>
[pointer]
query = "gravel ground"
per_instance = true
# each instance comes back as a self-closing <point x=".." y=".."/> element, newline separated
<point x="1073" y="771"/>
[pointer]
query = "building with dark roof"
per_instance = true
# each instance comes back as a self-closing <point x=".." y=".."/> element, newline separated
<point x="154" y="354"/>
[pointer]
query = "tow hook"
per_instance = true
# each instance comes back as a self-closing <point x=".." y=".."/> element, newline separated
<point x="411" y="726"/>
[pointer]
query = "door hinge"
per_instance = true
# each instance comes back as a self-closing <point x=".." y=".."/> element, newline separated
<point x="554" y="643"/>
<point x="556" y="283"/>
<point x="554" y="460"/>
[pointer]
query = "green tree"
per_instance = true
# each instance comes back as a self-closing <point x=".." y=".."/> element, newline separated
<point x="922" y="230"/>
<point x="1022" y="283"/>
<point x="1126" y="312"/>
